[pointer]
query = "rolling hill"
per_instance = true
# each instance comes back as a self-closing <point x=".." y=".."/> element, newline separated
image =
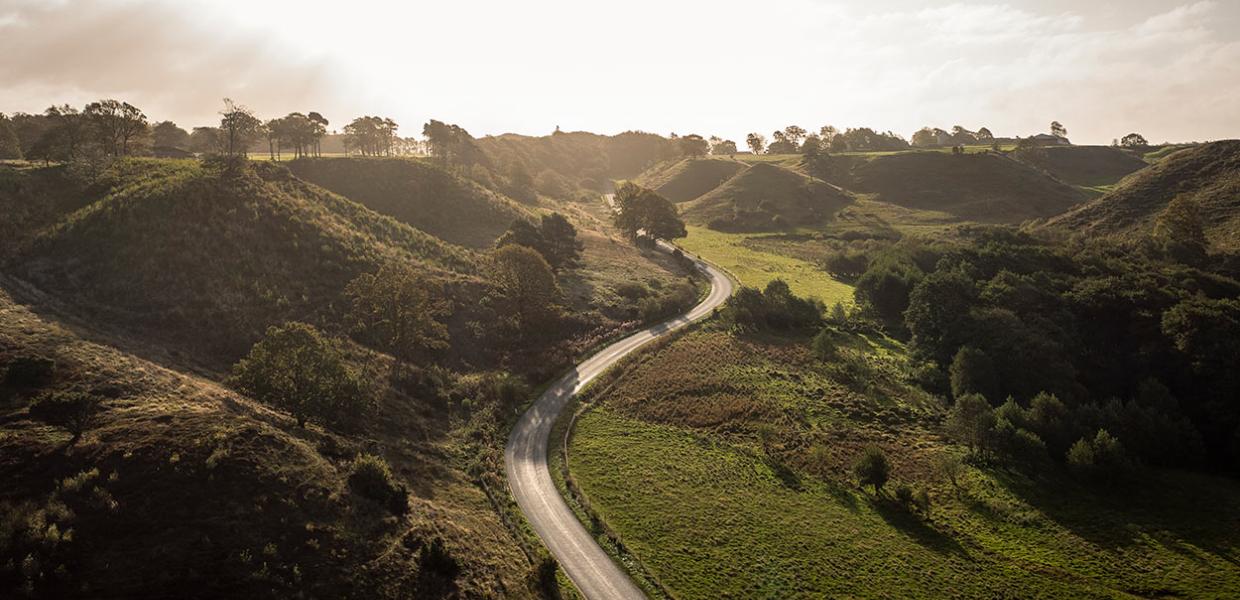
<point x="1209" y="173"/>
<point x="207" y="259"/>
<point x="766" y="197"/>
<point x="690" y="178"/>
<point x="1091" y="166"/>
<point x="986" y="187"/>
<point x="417" y="193"/>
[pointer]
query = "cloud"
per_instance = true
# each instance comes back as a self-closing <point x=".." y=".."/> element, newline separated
<point x="169" y="60"/>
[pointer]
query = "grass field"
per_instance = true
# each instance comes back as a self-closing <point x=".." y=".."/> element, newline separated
<point x="756" y="268"/>
<point x="722" y="463"/>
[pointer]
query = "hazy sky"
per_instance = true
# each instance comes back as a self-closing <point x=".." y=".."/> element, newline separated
<point x="1169" y="69"/>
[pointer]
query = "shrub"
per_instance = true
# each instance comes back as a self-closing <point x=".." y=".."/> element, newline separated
<point x="775" y="307"/>
<point x="1101" y="459"/>
<point x="872" y="468"/>
<point x="904" y="494"/>
<point x="972" y="372"/>
<point x="826" y="344"/>
<point x="436" y="559"/>
<point x="298" y="369"/>
<point x="371" y="477"/>
<point x="950" y="467"/>
<point x="29" y="371"/>
<point x="74" y="411"/>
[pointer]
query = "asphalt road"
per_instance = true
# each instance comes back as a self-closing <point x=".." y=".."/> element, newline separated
<point x="529" y="478"/>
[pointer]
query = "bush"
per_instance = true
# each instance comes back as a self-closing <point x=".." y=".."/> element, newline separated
<point x="371" y="477"/>
<point x="775" y="307"/>
<point x="1101" y="459"/>
<point x="436" y="559"/>
<point x="950" y="467"/>
<point x="74" y="411"/>
<point x="904" y="494"/>
<point x="872" y="468"/>
<point x="29" y="372"/>
<point x="298" y="369"/>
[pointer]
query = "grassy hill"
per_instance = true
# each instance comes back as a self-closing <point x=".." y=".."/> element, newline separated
<point x="587" y="160"/>
<point x="973" y="187"/>
<point x="1209" y="173"/>
<point x="417" y="193"/>
<point x="1091" y="166"/>
<point x="766" y="197"/>
<point x="690" y="178"/>
<point x="743" y="445"/>
<point x="207" y="259"/>
<point x="184" y="488"/>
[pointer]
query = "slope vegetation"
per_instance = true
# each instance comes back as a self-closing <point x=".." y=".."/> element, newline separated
<point x="975" y="187"/>
<point x="1091" y="166"/>
<point x="766" y="197"/>
<point x="690" y="178"/>
<point x="1209" y="173"/>
<point x="586" y="159"/>
<point x="417" y="193"/>
<point x="211" y="258"/>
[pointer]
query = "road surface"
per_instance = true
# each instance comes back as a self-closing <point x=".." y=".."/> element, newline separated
<point x="529" y="478"/>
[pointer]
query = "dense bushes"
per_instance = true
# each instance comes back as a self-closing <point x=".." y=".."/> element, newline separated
<point x="1002" y="313"/>
<point x="297" y="369"/>
<point x="399" y="311"/>
<point x="553" y="237"/>
<point x="371" y="477"/>
<point x="29" y="372"/>
<point x="774" y="307"/>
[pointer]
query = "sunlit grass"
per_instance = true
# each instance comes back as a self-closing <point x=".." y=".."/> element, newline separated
<point x="756" y="268"/>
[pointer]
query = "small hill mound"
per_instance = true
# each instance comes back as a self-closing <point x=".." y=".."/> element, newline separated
<point x="766" y="197"/>
<point x="417" y="193"/>
<point x="691" y="178"/>
<point x="213" y="256"/>
<point x="1091" y="166"/>
<point x="978" y="187"/>
<point x="1209" y="173"/>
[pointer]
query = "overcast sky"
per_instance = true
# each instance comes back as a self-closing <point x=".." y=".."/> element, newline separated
<point x="1169" y="69"/>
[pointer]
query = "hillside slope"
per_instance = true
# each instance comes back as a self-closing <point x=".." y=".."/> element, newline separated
<point x="978" y="187"/>
<point x="1209" y="173"/>
<point x="208" y="259"/>
<point x="586" y="159"/>
<point x="690" y="178"/>
<point x="1091" y="166"/>
<point x="417" y="193"/>
<point x="766" y="197"/>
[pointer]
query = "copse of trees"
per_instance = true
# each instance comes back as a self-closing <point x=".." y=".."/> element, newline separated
<point x="239" y="129"/>
<point x="369" y="135"/>
<point x="693" y="145"/>
<point x="10" y="144"/>
<point x="1004" y="314"/>
<point x="1133" y="140"/>
<point x="451" y="144"/>
<point x="644" y="211"/>
<point x="772" y="308"/>
<point x="399" y="311"/>
<point x="297" y="369"/>
<point x="720" y="147"/>
<point x="303" y="134"/>
<point x="553" y="237"/>
<point x="526" y="297"/>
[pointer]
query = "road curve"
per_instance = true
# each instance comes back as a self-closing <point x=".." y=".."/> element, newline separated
<point x="529" y="477"/>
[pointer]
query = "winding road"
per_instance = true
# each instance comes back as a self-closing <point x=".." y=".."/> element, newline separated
<point x="529" y="477"/>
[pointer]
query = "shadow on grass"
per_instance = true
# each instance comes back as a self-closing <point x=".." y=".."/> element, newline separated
<point x="914" y="527"/>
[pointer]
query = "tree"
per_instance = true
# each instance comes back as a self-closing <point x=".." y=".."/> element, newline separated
<point x="723" y="148"/>
<point x="645" y="211"/>
<point x="562" y="248"/>
<point x="526" y="287"/>
<point x="950" y="467"/>
<point x="1101" y="459"/>
<point x="1133" y="140"/>
<point x="64" y="137"/>
<point x="1180" y="232"/>
<point x="369" y="135"/>
<point x="318" y="130"/>
<point x="693" y="145"/>
<point x="971" y="421"/>
<point x="972" y="372"/>
<point x="872" y="468"/>
<point x="205" y="140"/>
<point x="812" y="155"/>
<point x="10" y="145"/>
<point x="985" y="136"/>
<point x="756" y="142"/>
<point x="400" y="311"/>
<point x="297" y="369"/>
<point x="166" y="134"/>
<point x="116" y="125"/>
<point x="451" y="144"/>
<point x="794" y="134"/>
<point x="239" y="128"/>
<point x="74" y="411"/>
<point x="925" y="137"/>
<point x="1058" y="130"/>
<point x="780" y="144"/>
<point x="938" y="314"/>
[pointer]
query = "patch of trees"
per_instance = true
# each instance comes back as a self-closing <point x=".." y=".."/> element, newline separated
<point x="297" y="369"/>
<point x="451" y="144"/>
<point x="400" y="311"/>
<point x="1003" y="314"/>
<point x="721" y="147"/>
<point x="371" y="136"/>
<point x="772" y="308"/>
<point x="554" y="237"/>
<point x="693" y="145"/>
<point x="304" y="133"/>
<point x="644" y="212"/>
<point x="105" y="128"/>
<point x="525" y="296"/>
<point x="1133" y="140"/>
